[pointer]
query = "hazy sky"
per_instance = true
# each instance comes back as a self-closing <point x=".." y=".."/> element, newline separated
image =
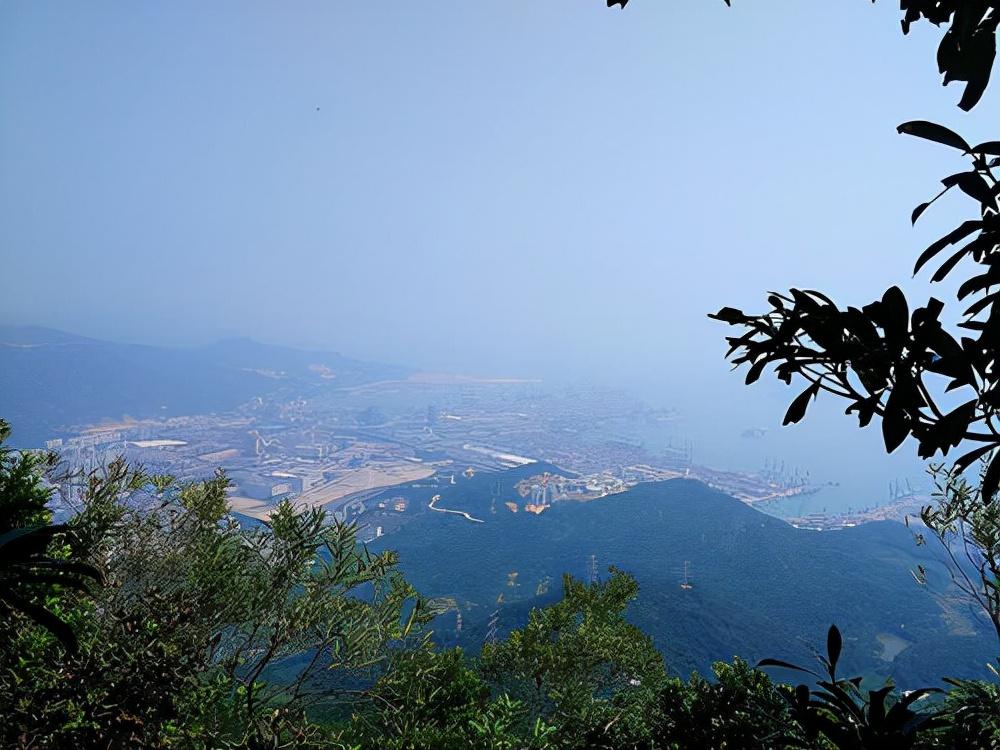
<point x="543" y="187"/>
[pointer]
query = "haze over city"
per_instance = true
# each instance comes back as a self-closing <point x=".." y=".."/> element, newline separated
<point x="395" y="185"/>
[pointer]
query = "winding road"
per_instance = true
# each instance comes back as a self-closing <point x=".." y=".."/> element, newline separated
<point x="432" y="506"/>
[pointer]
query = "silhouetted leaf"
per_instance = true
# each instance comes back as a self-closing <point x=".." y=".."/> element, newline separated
<point x="980" y="305"/>
<point x="976" y="54"/>
<point x="895" y="316"/>
<point x="782" y="665"/>
<point x="976" y="284"/>
<point x="973" y="185"/>
<point x="27" y="541"/>
<point x="901" y="714"/>
<point x="918" y="211"/>
<point x="797" y="410"/>
<point x="992" y="148"/>
<point x="876" y="705"/>
<point x="834" y="643"/>
<point x="820" y="296"/>
<point x="63" y="632"/>
<point x="836" y="697"/>
<point x="948" y="265"/>
<point x="895" y="422"/>
<point x="54" y="579"/>
<point x="753" y="374"/>
<point x="972" y="325"/>
<point x="865" y="408"/>
<point x="729" y="315"/>
<point x="963" y="230"/>
<point x="933" y="132"/>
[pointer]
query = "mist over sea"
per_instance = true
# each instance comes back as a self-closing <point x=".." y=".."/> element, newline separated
<point x="718" y="415"/>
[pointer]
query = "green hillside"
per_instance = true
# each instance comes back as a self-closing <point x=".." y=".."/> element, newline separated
<point x="760" y="587"/>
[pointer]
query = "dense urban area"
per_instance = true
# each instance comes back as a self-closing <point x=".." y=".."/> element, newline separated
<point x="345" y="449"/>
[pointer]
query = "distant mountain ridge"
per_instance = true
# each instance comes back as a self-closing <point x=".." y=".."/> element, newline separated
<point x="50" y="380"/>
<point x="38" y="336"/>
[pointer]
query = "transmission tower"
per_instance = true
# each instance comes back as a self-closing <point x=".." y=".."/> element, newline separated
<point x="491" y="627"/>
<point x="592" y="569"/>
<point x="495" y="493"/>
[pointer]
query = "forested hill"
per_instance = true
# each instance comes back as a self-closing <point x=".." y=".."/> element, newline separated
<point x="50" y="379"/>
<point x="760" y="587"/>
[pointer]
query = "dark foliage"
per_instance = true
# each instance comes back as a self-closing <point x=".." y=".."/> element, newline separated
<point x="967" y="49"/>
<point x="971" y="715"/>
<point x="889" y="361"/>
<point x="838" y="711"/>
<point x="909" y="370"/>
<point x="740" y="708"/>
<point x="580" y="666"/>
<point x="180" y="646"/>
<point x="30" y="563"/>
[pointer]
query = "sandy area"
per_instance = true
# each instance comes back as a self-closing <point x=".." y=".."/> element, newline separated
<point x="376" y="476"/>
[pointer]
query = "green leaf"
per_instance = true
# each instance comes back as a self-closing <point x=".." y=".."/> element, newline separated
<point x="991" y="479"/>
<point x="63" y="632"/>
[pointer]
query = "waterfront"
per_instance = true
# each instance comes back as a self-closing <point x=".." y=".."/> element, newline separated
<point x="339" y="448"/>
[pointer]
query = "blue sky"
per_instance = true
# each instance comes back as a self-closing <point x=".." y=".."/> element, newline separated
<point x="546" y="188"/>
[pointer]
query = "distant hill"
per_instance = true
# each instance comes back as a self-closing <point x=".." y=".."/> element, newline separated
<point x="760" y="586"/>
<point x="50" y="380"/>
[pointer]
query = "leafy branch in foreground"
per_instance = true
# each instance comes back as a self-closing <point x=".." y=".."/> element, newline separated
<point x="909" y="371"/>
<point x="581" y="666"/>
<point x="207" y="633"/>
<point x="907" y="368"/>
<point x="971" y="711"/>
<point x="904" y="367"/>
<point x="30" y="564"/>
<point x="840" y="712"/>
<point x="968" y="530"/>
<point x="968" y="48"/>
